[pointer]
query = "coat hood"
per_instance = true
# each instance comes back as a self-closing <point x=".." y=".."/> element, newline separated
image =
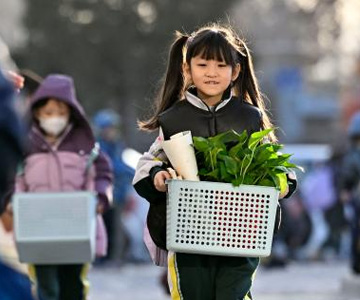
<point x="61" y="87"/>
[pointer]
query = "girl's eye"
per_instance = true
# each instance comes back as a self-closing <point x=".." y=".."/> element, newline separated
<point x="202" y="65"/>
<point x="222" y="65"/>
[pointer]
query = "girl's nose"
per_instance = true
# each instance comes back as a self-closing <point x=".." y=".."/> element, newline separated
<point x="211" y="71"/>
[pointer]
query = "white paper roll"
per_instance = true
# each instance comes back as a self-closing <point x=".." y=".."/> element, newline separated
<point x="180" y="152"/>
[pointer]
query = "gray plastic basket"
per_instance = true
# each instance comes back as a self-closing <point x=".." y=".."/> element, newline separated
<point x="220" y="219"/>
<point x="55" y="228"/>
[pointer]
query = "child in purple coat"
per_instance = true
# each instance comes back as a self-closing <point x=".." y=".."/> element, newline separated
<point x="58" y="148"/>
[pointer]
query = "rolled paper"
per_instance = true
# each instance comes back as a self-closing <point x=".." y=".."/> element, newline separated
<point x="181" y="154"/>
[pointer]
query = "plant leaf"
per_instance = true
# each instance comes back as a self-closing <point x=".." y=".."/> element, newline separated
<point x="213" y="174"/>
<point x="283" y="182"/>
<point x="243" y="159"/>
<point x="266" y="182"/>
<point x="256" y="137"/>
<point x="231" y="165"/>
<point x="201" y="144"/>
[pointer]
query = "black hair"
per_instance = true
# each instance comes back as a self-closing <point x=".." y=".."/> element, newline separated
<point x="211" y="42"/>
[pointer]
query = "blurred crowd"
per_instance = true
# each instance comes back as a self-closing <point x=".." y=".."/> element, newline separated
<point x="322" y="220"/>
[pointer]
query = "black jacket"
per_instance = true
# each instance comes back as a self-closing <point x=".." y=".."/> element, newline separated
<point x="237" y="115"/>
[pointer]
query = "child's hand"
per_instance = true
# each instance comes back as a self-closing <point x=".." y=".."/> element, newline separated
<point x="159" y="180"/>
<point x="100" y="209"/>
<point x="16" y="79"/>
<point x="173" y="174"/>
<point x="284" y="192"/>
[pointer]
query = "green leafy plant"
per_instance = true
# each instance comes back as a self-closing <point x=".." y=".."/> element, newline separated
<point x="242" y="159"/>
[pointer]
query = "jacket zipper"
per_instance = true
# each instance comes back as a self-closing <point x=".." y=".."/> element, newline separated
<point x="212" y="125"/>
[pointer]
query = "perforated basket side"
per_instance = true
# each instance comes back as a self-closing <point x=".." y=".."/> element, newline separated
<point x="217" y="218"/>
<point x="55" y="227"/>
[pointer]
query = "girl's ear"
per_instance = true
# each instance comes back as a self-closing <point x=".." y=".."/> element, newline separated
<point x="236" y="71"/>
<point x="186" y="74"/>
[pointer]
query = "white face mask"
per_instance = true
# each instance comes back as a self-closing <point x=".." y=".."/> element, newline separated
<point x="53" y="125"/>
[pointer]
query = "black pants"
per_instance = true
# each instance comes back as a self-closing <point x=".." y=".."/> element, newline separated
<point x="61" y="282"/>
<point x="207" y="277"/>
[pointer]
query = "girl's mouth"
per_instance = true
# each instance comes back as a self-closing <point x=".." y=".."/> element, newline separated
<point x="211" y="82"/>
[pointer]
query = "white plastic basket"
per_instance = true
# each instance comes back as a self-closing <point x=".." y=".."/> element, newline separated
<point x="220" y="219"/>
<point x="55" y="228"/>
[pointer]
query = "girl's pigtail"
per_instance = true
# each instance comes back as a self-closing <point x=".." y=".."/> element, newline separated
<point x="173" y="82"/>
<point x="249" y="88"/>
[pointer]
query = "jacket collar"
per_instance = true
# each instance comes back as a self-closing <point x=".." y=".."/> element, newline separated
<point x="55" y="146"/>
<point x="191" y="97"/>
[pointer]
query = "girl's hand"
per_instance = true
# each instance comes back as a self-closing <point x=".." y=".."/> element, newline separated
<point x="173" y="174"/>
<point x="159" y="180"/>
<point x="284" y="193"/>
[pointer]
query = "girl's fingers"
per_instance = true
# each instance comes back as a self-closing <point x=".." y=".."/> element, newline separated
<point x="159" y="180"/>
<point x="284" y="193"/>
<point x="172" y="173"/>
<point x="100" y="208"/>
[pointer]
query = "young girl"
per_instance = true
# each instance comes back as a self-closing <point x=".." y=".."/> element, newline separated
<point x="209" y="88"/>
<point x="59" y="145"/>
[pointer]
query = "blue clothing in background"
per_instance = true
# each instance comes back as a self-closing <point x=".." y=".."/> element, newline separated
<point x="13" y="285"/>
<point x="123" y="174"/>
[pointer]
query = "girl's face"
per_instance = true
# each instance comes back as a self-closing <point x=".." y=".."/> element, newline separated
<point x="53" y="117"/>
<point x="53" y="108"/>
<point x="211" y="78"/>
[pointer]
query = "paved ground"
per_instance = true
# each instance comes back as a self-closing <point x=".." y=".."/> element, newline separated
<point x="306" y="281"/>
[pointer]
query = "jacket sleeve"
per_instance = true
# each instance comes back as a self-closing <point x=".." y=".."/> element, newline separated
<point x="151" y="162"/>
<point x="104" y="180"/>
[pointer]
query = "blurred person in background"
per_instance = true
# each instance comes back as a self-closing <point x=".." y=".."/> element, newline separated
<point x="319" y="195"/>
<point x="292" y="234"/>
<point x="14" y="283"/>
<point x="107" y="123"/>
<point x="337" y="244"/>
<point x="60" y="156"/>
<point x="350" y="189"/>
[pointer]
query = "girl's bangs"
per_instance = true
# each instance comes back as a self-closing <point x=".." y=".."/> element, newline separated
<point x="211" y="46"/>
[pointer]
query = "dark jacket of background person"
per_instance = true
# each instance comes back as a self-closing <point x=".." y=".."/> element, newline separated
<point x="10" y="138"/>
<point x="351" y="164"/>
<point x="350" y="183"/>
<point x="13" y="285"/>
